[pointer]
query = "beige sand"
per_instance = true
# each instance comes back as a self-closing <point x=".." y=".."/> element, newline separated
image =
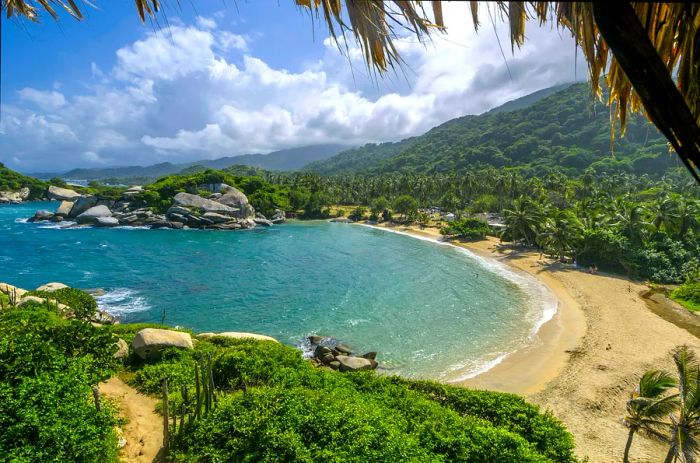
<point x="586" y="360"/>
<point x="144" y="427"/>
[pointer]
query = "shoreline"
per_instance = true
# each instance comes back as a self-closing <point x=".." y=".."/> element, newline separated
<point x="528" y="369"/>
<point x="588" y="359"/>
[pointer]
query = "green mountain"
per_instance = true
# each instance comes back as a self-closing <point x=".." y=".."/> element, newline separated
<point x="567" y="130"/>
<point x="288" y="159"/>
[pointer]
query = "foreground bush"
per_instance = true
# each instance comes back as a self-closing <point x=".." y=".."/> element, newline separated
<point x="84" y="305"/>
<point x="469" y="228"/>
<point x="274" y="406"/>
<point x="47" y="368"/>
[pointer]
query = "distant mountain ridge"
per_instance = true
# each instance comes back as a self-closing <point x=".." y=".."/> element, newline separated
<point x="287" y="159"/>
<point x="559" y="127"/>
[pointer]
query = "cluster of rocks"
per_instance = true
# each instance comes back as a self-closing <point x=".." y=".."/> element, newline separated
<point x="226" y="208"/>
<point x="338" y="356"/>
<point x="14" y="197"/>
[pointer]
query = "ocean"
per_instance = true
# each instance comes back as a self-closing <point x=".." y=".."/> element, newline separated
<point x="429" y="310"/>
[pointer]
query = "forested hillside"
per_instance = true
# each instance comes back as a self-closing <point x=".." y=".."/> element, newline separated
<point x="567" y="130"/>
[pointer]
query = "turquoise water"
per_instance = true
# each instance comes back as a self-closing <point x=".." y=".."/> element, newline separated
<point x="429" y="310"/>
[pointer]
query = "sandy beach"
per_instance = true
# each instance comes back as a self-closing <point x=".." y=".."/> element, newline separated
<point x="583" y="363"/>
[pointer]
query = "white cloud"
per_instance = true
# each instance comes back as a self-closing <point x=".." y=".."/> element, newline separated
<point x="45" y="100"/>
<point x="177" y="95"/>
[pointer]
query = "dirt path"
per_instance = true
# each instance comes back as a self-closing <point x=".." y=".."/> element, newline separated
<point x="144" y="428"/>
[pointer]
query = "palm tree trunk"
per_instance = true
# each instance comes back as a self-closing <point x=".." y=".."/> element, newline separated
<point x="626" y="457"/>
<point x="670" y="456"/>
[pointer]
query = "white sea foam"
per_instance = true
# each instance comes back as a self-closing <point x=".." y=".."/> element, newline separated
<point x="56" y="225"/>
<point x="543" y="305"/>
<point x="120" y="301"/>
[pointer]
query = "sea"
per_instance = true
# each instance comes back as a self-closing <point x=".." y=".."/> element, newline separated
<point x="430" y="310"/>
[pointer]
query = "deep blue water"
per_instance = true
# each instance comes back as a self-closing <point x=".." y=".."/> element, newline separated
<point x="429" y="310"/>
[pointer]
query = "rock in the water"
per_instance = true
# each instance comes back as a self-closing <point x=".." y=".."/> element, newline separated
<point x="343" y="349"/>
<point x="82" y="204"/>
<point x="92" y="214"/>
<point x="370" y="356"/>
<point x="313" y="339"/>
<point x="24" y="193"/>
<point x="348" y="363"/>
<point x="149" y="343"/>
<point x="322" y="351"/>
<point x="64" y="208"/>
<point x="106" y="222"/>
<point x="278" y="217"/>
<point x="122" y="349"/>
<point x="207" y="205"/>
<point x="41" y="215"/>
<point x="263" y="222"/>
<point x="51" y="287"/>
<point x="216" y="218"/>
<point x="236" y="199"/>
<point x="62" y="194"/>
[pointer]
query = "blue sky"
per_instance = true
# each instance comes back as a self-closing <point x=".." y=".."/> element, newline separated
<point x="246" y="77"/>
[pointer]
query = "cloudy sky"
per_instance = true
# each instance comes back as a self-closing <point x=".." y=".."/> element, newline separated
<point x="251" y="77"/>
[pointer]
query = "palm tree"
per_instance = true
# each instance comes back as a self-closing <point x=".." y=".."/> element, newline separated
<point x="639" y="47"/>
<point x="685" y="423"/>
<point x="664" y="212"/>
<point x="562" y="233"/>
<point x="524" y="220"/>
<point x="647" y="406"/>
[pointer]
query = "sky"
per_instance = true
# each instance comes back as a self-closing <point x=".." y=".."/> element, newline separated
<point x="228" y="78"/>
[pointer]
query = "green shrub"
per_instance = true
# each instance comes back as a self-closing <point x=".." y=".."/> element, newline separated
<point x="358" y="213"/>
<point x="84" y="305"/>
<point x="469" y="228"/>
<point x="278" y="407"/>
<point x="688" y="295"/>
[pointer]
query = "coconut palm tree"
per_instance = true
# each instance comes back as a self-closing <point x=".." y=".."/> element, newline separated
<point x="648" y="406"/>
<point x="524" y="220"/>
<point x="637" y="47"/>
<point x="562" y="233"/>
<point x="685" y="422"/>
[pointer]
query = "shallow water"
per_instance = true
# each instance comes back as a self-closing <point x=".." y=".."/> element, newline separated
<point x="430" y="311"/>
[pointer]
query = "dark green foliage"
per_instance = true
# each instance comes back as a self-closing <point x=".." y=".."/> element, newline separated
<point x="688" y="295"/>
<point x="14" y="181"/>
<point x="469" y="228"/>
<point x="358" y="213"/>
<point x="84" y="305"/>
<point x="278" y="407"/>
<point x="47" y="368"/>
<point x="406" y="205"/>
<point x="567" y="130"/>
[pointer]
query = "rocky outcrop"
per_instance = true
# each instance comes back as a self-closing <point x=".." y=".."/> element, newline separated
<point x="238" y="335"/>
<point x="149" y="343"/>
<point x="206" y="205"/>
<point x="106" y="222"/>
<point x="94" y="213"/>
<point x="237" y="200"/>
<point x="51" y="287"/>
<point x="122" y="349"/>
<point x="64" y="209"/>
<point x="62" y="194"/>
<point x="338" y="356"/>
<point x="278" y="217"/>
<point x="41" y="215"/>
<point x="81" y="205"/>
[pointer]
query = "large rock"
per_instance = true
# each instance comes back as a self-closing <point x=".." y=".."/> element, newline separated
<point x="24" y="193"/>
<point x="62" y="194"/>
<point x="236" y="199"/>
<point x="348" y="363"/>
<point x="51" y="287"/>
<point x="41" y="215"/>
<point x="149" y="343"/>
<point x="207" y="205"/>
<point x="64" y="208"/>
<point x="92" y="214"/>
<point x="122" y="349"/>
<point x="82" y="204"/>
<point x="106" y="222"/>
<point x="12" y="291"/>
<point x="216" y="218"/>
